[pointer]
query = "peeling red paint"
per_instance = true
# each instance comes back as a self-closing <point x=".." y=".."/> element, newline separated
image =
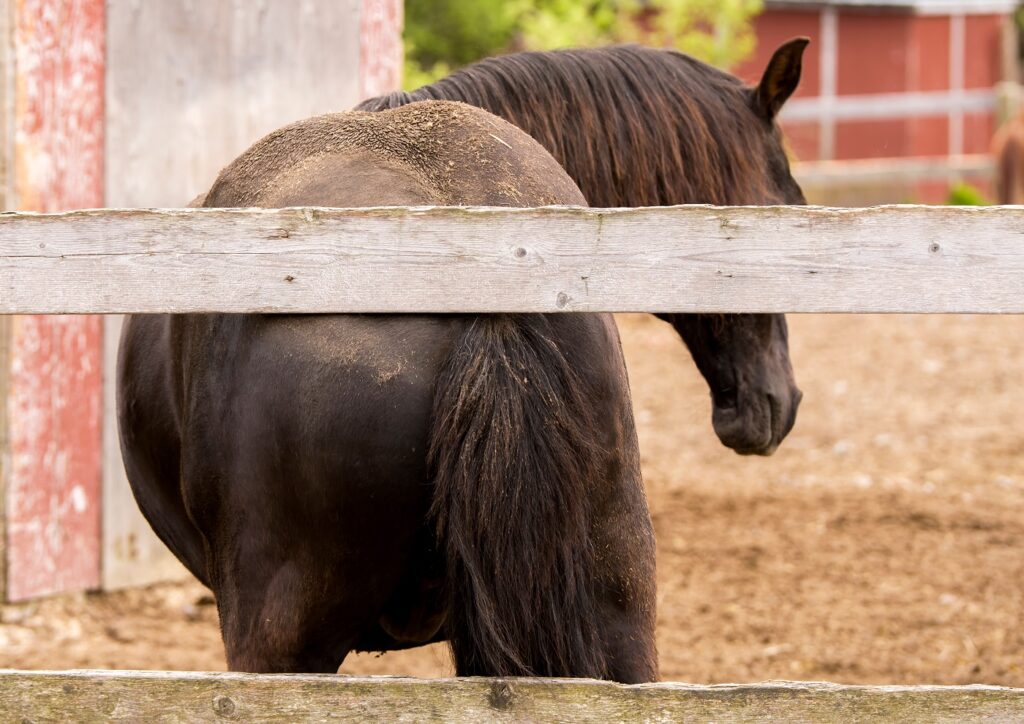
<point x="55" y="386"/>
<point x="380" y="47"/>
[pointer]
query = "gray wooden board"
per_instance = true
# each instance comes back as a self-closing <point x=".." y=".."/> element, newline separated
<point x="681" y="259"/>
<point x="189" y="86"/>
<point x="189" y="697"/>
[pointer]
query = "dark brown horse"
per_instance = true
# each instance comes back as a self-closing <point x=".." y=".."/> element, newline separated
<point x="635" y="126"/>
<point x="378" y="482"/>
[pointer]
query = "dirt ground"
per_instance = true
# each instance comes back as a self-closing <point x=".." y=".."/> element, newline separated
<point x="883" y="543"/>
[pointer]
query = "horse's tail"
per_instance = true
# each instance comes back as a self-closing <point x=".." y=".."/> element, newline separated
<point x="512" y="456"/>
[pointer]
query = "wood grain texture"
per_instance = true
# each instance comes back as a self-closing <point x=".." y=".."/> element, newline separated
<point x="684" y="259"/>
<point x="53" y="492"/>
<point x="190" y="85"/>
<point x="189" y="697"/>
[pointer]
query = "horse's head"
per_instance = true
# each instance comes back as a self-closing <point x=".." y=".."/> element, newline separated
<point x="745" y="357"/>
<point x="745" y="360"/>
<point x="636" y="126"/>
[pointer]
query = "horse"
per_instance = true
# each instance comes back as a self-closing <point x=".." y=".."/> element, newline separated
<point x="377" y="482"/>
<point x="635" y="126"/>
<point x="1008" y="150"/>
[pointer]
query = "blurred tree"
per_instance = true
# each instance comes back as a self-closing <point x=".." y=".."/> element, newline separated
<point x="444" y="34"/>
<point x="441" y="35"/>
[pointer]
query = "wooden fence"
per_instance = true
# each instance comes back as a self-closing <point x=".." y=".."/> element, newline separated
<point x="682" y="259"/>
<point x="687" y="259"/>
<point x="193" y="697"/>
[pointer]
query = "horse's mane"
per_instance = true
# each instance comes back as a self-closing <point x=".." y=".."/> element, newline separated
<point x="633" y="126"/>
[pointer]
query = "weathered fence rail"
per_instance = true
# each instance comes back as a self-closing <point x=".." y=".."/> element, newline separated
<point x="190" y="697"/>
<point x="682" y="259"/>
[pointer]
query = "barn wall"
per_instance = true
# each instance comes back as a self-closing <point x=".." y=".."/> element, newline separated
<point x="55" y="142"/>
<point x="945" y="64"/>
<point x="5" y="322"/>
<point x="890" y="81"/>
<point x="191" y="85"/>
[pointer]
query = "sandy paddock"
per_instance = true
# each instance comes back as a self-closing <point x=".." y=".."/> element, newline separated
<point x="884" y="542"/>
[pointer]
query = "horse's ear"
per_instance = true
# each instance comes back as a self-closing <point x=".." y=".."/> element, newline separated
<point x="780" y="78"/>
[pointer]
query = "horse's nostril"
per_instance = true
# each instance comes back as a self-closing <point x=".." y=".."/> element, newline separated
<point x="725" y="398"/>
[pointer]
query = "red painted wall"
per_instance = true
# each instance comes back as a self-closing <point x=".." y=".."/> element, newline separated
<point x="53" y="494"/>
<point x="873" y="53"/>
<point x="983" y="51"/>
<point x="882" y="52"/>
<point x="929" y="53"/>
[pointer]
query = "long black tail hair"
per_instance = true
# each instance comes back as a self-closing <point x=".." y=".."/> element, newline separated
<point x="512" y="455"/>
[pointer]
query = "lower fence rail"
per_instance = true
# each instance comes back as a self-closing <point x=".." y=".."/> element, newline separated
<point x="45" y="696"/>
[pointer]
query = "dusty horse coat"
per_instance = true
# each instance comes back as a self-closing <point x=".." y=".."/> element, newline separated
<point x="379" y="481"/>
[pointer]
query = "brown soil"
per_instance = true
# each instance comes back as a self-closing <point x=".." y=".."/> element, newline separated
<point x="884" y="542"/>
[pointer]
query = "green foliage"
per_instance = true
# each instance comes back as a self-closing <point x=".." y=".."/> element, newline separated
<point x="716" y="31"/>
<point x="963" y="194"/>
<point x="441" y="35"/>
<point x="445" y="34"/>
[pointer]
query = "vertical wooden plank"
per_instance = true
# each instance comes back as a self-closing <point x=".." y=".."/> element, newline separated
<point x="5" y="460"/>
<point x="190" y="85"/>
<point x="53" y="496"/>
<point x="380" y="47"/>
<point x="6" y="103"/>
<point x="239" y="71"/>
<point x="4" y="450"/>
<point x="6" y="145"/>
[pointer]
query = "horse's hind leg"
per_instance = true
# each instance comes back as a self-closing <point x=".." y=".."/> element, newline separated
<point x="626" y="581"/>
<point x="284" y="623"/>
<point x="628" y="635"/>
<point x="627" y="613"/>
